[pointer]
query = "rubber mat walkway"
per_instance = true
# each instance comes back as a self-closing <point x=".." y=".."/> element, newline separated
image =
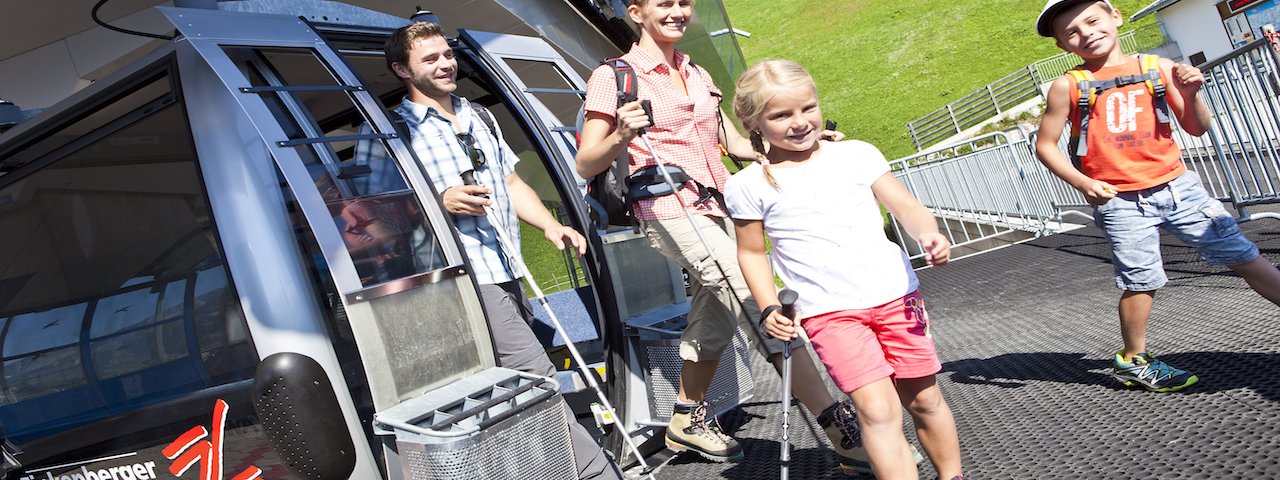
<point x="1025" y="334"/>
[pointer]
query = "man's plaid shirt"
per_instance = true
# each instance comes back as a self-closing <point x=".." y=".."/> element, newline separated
<point x="434" y="140"/>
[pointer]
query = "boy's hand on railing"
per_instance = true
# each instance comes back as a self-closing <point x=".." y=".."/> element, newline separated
<point x="937" y="249"/>
<point x="1188" y="78"/>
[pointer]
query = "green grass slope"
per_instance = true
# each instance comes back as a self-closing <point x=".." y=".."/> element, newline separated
<point x="880" y="64"/>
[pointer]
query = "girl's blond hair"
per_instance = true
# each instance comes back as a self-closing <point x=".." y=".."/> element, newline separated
<point x="755" y="88"/>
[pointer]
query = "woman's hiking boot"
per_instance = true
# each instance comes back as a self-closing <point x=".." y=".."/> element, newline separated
<point x="690" y="430"/>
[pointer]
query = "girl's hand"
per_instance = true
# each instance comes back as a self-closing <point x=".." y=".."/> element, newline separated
<point x="631" y="118"/>
<point x="831" y="135"/>
<point x="937" y="250"/>
<point x="780" y="327"/>
<point x="1188" y="78"/>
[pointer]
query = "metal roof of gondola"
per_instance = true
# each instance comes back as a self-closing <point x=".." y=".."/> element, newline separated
<point x="1152" y="8"/>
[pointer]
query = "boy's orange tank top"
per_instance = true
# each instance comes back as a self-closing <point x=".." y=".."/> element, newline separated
<point x="1128" y="148"/>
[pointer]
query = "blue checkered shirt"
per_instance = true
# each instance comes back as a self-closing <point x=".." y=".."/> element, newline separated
<point x="444" y="161"/>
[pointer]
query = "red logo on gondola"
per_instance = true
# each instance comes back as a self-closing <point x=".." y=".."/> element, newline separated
<point x="199" y="445"/>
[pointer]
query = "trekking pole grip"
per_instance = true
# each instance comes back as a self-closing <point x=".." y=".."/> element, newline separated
<point x="648" y="112"/>
<point x="469" y="178"/>
<point x="787" y="297"/>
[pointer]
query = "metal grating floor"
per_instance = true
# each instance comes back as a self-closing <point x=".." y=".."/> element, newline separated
<point x="1025" y="333"/>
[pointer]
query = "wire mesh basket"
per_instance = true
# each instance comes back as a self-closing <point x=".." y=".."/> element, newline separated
<point x="496" y="424"/>
<point x="659" y="353"/>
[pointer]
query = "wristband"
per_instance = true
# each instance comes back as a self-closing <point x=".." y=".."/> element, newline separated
<point x="764" y="315"/>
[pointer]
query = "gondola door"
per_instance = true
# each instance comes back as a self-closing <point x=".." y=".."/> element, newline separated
<point x="367" y="222"/>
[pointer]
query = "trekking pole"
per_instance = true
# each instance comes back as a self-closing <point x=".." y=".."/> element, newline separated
<point x="504" y="241"/>
<point x="675" y="189"/>
<point x="788" y="299"/>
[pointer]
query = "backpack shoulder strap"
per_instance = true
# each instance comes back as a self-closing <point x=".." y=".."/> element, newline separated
<point x="487" y="117"/>
<point x="1084" y="82"/>
<point x="625" y="77"/>
<point x="1150" y="65"/>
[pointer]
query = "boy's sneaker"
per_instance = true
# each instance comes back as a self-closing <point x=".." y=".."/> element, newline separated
<point x="1151" y="373"/>
<point x="689" y="430"/>
<point x="840" y="422"/>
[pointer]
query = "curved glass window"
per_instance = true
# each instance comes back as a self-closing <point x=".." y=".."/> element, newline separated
<point x="113" y="290"/>
<point x="379" y="217"/>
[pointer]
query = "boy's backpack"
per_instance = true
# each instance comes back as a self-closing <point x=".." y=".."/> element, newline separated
<point x="607" y="191"/>
<point x="1090" y="88"/>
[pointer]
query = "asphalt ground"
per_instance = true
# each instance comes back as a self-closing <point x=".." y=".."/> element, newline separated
<point x="1025" y="334"/>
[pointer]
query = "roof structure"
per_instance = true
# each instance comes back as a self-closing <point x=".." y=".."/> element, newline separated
<point x="1150" y="9"/>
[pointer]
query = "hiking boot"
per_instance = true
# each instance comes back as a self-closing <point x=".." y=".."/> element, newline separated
<point x="1150" y="373"/>
<point x="689" y="430"/>
<point x="840" y="422"/>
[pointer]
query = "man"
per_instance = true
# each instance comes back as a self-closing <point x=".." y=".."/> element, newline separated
<point x="451" y="140"/>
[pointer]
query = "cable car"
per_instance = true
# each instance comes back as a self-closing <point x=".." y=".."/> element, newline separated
<point x="181" y="296"/>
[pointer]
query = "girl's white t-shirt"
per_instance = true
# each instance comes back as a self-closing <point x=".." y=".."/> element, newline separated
<point x="828" y="237"/>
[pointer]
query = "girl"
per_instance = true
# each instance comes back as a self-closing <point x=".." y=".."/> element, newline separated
<point x="688" y="134"/>
<point x="858" y="301"/>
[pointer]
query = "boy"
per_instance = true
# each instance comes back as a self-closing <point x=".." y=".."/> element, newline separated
<point x="1131" y="171"/>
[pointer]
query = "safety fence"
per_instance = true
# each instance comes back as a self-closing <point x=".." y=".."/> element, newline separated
<point x="993" y="185"/>
<point x="1012" y="90"/>
<point x="1131" y="41"/>
<point x="974" y="108"/>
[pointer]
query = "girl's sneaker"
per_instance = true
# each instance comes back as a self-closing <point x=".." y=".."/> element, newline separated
<point x="1150" y="373"/>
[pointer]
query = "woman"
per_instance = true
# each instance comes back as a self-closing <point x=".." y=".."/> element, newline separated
<point x="688" y="134"/>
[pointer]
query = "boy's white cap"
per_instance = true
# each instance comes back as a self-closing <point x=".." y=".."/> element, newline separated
<point x="1044" y="23"/>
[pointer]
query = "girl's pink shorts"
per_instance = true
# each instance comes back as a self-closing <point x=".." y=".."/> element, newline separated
<point x="864" y="345"/>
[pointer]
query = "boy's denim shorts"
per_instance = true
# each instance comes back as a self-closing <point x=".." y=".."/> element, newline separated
<point x="1132" y="220"/>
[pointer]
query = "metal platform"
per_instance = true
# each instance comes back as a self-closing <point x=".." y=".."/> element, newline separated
<point x="1025" y="333"/>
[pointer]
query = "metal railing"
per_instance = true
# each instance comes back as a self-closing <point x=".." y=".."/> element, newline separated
<point x="1010" y="91"/>
<point x="1050" y="68"/>
<point x="993" y="185"/>
<point x="1239" y="158"/>
<point x="974" y="108"/>
<point x="981" y="189"/>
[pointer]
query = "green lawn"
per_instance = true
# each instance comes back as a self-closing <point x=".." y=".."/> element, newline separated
<point x="881" y="64"/>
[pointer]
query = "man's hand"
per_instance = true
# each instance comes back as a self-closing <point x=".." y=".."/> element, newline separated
<point x="1097" y="192"/>
<point x="558" y="234"/>
<point x="937" y="249"/>
<point x="466" y="199"/>
<point x="1188" y="78"/>
<point x="781" y="327"/>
